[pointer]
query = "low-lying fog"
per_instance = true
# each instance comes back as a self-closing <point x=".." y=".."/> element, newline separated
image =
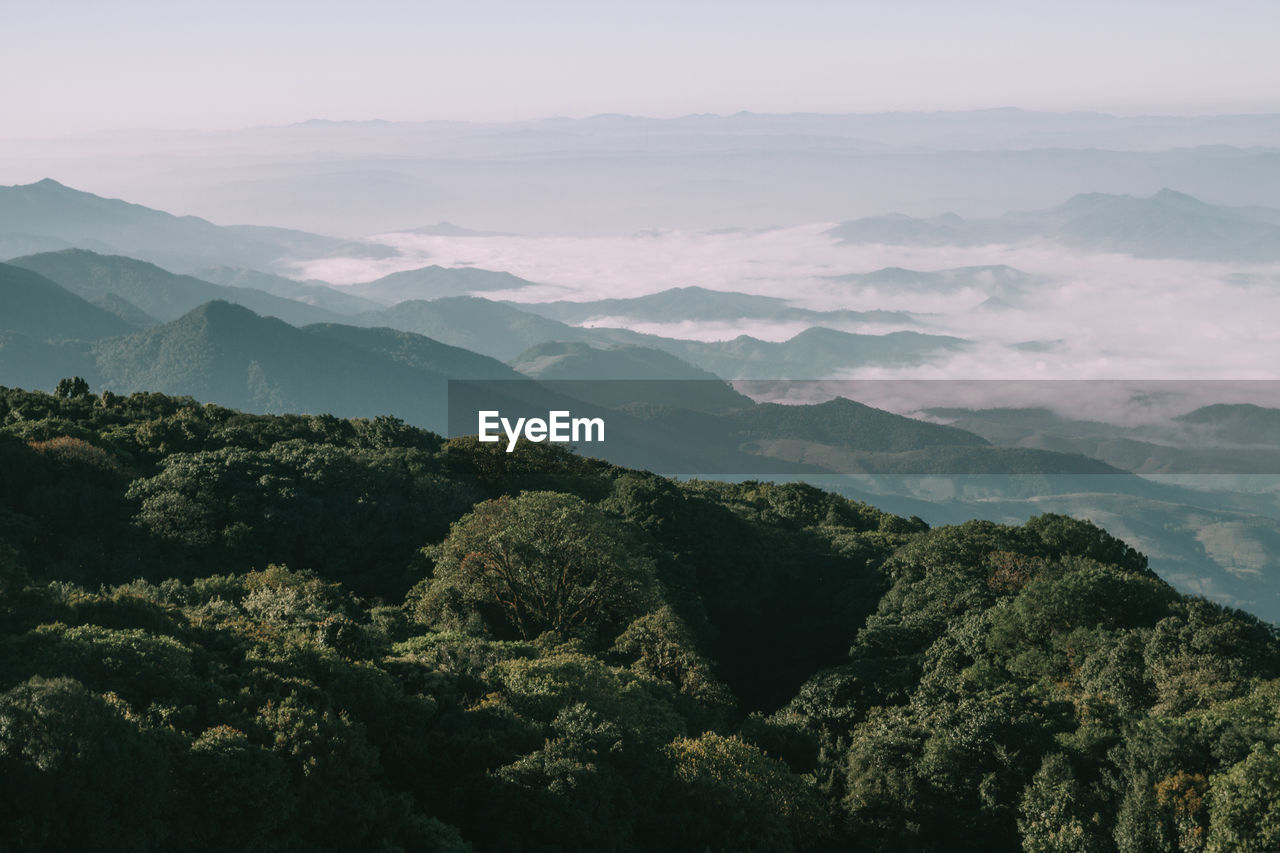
<point x="1076" y="315"/>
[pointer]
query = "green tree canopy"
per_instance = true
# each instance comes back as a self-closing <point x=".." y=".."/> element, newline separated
<point x="543" y="561"/>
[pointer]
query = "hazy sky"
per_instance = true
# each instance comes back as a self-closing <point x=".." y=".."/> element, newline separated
<point x="77" y="65"/>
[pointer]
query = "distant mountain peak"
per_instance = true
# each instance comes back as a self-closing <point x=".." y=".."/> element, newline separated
<point x="1088" y="200"/>
<point x="1173" y="197"/>
<point x="51" y="210"/>
<point x="841" y="404"/>
<point x="222" y="311"/>
<point x="557" y="348"/>
<point x="1164" y="196"/>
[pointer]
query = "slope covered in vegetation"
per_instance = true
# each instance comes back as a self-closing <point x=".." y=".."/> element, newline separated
<point x="224" y="631"/>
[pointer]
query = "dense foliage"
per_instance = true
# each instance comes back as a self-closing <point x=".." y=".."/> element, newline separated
<point x="222" y="631"/>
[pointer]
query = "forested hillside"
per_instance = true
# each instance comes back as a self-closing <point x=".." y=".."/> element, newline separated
<point x="224" y="631"/>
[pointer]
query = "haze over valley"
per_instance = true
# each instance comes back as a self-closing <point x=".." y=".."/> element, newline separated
<point x="1106" y="267"/>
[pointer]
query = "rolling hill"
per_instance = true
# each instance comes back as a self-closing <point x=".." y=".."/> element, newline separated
<point x="47" y="215"/>
<point x="317" y="293"/>
<point x="682" y="304"/>
<point x="999" y="280"/>
<point x="158" y="292"/>
<point x="39" y="308"/>
<point x="227" y="354"/>
<point x="1168" y="224"/>
<point x="813" y="354"/>
<point x="505" y="332"/>
<point x="434" y="282"/>
<point x="621" y="375"/>
<point x="577" y="360"/>
<point x="478" y="324"/>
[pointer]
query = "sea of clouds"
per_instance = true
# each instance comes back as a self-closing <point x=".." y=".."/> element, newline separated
<point x="1083" y="316"/>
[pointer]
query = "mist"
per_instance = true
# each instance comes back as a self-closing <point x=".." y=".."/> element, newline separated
<point x="611" y="175"/>
<point x="1078" y="315"/>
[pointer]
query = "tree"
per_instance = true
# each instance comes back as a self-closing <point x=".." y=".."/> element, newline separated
<point x="1055" y="816"/>
<point x="73" y="387"/>
<point x="731" y="796"/>
<point x="226" y="781"/>
<point x="664" y="648"/>
<point x="1244" y="804"/>
<point x="543" y="561"/>
<point x="74" y="770"/>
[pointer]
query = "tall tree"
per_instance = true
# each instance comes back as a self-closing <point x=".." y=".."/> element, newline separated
<point x="543" y="561"/>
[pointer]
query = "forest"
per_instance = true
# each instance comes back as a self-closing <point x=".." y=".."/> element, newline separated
<point x="227" y="631"/>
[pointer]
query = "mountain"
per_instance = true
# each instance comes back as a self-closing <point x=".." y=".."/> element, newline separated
<point x="1208" y="542"/>
<point x="667" y="306"/>
<point x="1227" y="556"/>
<point x="704" y="427"/>
<point x="415" y="351"/>
<point x="48" y="215"/>
<point x="813" y="354"/>
<point x="14" y="245"/>
<point x="316" y="293"/>
<point x="29" y="362"/>
<point x="846" y="423"/>
<point x="142" y="291"/>
<point x="607" y="177"/>
<point x="681" y="304"/>
<point x="227" y="354"/>
<point x="158" y="292"/>
<point x="623" y="375"/>
<point x="434" y="282"/>
<point x="1217" y="543"/>
<point x="39" y="308"/>
<point x="1021" y="683"/>
<point x="1168" y="224"/>
<point x="492" y="328"/>
<point x="997" y="279"/>
<point x="125" y="310"/>
<point x="577" y="360"/>
<point x="504" y="331"/>
<point x="849" y="437"/>
<point x="831" y="440"/>
<point x="1239" y="423"/>
<point x="1221" y="439"/>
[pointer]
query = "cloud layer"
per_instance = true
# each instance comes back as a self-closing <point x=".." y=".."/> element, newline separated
<point x="1084" y="316"/>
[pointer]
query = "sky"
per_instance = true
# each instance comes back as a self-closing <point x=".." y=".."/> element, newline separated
<point x="72" y="66"/>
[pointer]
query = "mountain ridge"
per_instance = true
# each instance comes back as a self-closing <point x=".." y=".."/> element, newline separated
<point x="1166" y="224"/>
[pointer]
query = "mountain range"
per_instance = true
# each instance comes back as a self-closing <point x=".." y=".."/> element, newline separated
<point x="37" y="307"/>
<point x="1219" y="439"/>
<point x="224" y="352"/>
<point x="683" y="304"/>
<point x="505" y="331"/>
<point x="609" y="175"/>
<point x="1168" y="224"/>
<point x="434" y="282"/>
<point x="339" y="300"/>
<point x="157" y="292"/>
<point x="242" y="335"/>
<point x="48" y="215"/>
<point x="998" y="280"/>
